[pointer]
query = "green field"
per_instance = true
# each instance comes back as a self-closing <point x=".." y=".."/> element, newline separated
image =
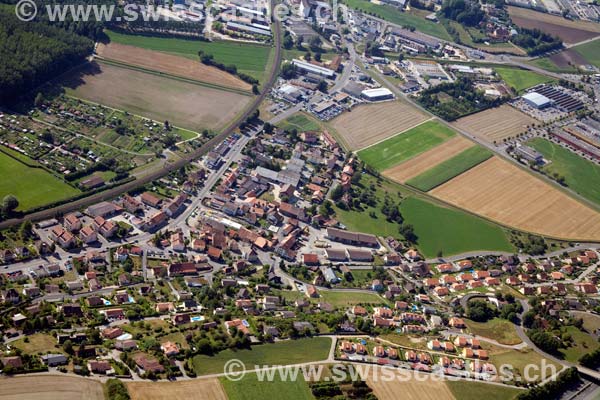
<point x="251" y="59"/>
<point x="451" y="231"/>
<point x="500" y="330"/>
<point x="582" y="344"/>
<point x="520" y="79"/>
<point x="463" y="390"/>
<point x="438" y="228"/>
<point x="348" y="299"/>
<point x="450" y="168"/>
<point x="33" y="187"/>
<point x="299" y="121"/>
<point x="280" y="353"/>
<point x="547" y="64"/>
<point x="395" y="16"/>
<point x="251" y="388"/>
<point x="403" y="146"/>
<point x="590" y="51"/>
<point x="581" y="175"/>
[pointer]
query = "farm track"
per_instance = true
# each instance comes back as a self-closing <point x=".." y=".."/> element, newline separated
<point x="147" y="176"/>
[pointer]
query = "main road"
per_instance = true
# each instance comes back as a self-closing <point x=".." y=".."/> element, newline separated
<point x="146" y="176"/>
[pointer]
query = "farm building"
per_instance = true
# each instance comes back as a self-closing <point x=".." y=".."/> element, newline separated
<point x="377" y="94"/>
<point x="537" y="100"/>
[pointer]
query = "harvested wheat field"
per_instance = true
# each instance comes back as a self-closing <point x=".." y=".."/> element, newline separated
<point x="50" y="387"/>
<point x="424" y="161"/>
<point x="495" y="124"/>
<point x="184" y="104"/>
<point x="169" y="64"/>
<point x="372" y="123"/>
<point x="209" y="389"/>
<point x="505" y="193"/>
<point x="407" y="387"/>
<point x="568" y="30"/>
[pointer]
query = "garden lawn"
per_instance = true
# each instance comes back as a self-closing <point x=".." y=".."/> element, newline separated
<point x="450" y="168"/>
<point x="398" y="17"/>
<point x="520" y="79"/>
<point x="405" y="145"/>
<point x="251" y="59"/>
<point x="33" y="187"/>
<point x="300" y="122"/>
<point x="37" y="343"/>
<point x="250" y="388"/>
<point x="497" y="329"/>
<point x="463" y="390"/>
<point x="280" y="353"/>
<point x="449" y="231"/>
<point x="581" y="175"/>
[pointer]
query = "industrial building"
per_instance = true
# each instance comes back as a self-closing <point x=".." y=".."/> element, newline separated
<point x="315" y="69"/>
<point x="529" y="154"/>
<point x="377" y="94"/>
<point x="537" y="100"/>
<point x="560" y="99"/>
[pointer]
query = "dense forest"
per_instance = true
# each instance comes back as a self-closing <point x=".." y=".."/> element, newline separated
<point x="464" y="12"/>
<point x="34" y="52"/>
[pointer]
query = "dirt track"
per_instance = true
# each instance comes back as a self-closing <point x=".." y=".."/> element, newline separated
<point x="505" y="193"/>
<point x="169" y="64"/>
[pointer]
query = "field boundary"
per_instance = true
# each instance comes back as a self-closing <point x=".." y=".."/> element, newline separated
<point x="485" y="155"/>
<point x="120" y="64"/>
<point x="393" y="136"/>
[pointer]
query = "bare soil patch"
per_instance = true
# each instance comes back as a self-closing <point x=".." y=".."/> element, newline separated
<point x="424" y="161"/>
<point x="567" y="58"/>
<point x="503" y="192"/>
<point x="369" y="124"/>
<point x="209" y="389"/>
<point x="169" y="64"/>
<point x="495" y="124"/>
<point x="409" y="387"/>
<point x="569" y="31"/>
<point x="187" y="105"/>
<point x="50" y="387"/>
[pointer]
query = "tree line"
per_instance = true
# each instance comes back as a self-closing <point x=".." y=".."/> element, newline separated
<point x="34" y="52"/>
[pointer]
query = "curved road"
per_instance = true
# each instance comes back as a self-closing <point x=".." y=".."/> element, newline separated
<point x="153" y="174"/>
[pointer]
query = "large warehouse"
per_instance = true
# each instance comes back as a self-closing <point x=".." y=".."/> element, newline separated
<point x="377" y="94"/>
<point x="537" y="100"/>
<point x="315" y="69"/>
